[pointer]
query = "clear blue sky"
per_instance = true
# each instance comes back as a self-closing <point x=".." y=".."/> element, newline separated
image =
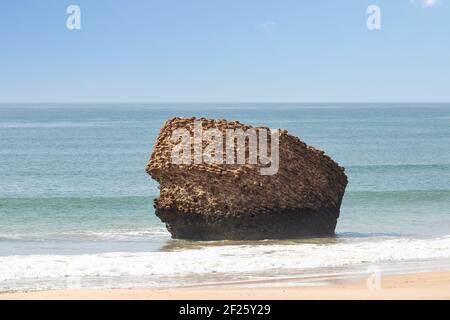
<point x="227" y="50"/>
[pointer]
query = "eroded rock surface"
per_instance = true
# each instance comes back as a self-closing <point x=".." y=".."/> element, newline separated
<point x="232" y="201"/>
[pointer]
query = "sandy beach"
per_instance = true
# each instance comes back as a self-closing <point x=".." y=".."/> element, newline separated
<point x="427" y="285"/>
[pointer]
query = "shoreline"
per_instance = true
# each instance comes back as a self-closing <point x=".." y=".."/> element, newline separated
<point x="424" y="285"/>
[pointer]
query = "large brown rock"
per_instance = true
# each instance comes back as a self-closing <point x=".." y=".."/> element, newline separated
<point x="232" y="201"/>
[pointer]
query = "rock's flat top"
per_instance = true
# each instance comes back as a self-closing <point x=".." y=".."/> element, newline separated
<point x="306" y="179"/>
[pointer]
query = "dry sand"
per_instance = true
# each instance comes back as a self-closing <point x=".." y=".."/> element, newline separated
<point x="429" y="285"/>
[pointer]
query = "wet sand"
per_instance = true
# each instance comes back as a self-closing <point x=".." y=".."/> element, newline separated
<point x="427" y="285"/>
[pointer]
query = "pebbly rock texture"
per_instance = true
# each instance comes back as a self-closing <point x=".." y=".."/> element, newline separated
<point x="232" y="201"/>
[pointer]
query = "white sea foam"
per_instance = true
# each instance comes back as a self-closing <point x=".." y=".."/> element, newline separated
<point x="106" y="234"/>
<point x="64" y="124"/>
<point x="228" y="259"/>
<point x="115" y="234"/>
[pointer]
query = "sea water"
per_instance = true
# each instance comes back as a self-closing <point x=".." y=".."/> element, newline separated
<point x="76" y="205"/>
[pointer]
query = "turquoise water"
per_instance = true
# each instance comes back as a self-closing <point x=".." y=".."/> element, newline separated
<point x="73" y="179"/>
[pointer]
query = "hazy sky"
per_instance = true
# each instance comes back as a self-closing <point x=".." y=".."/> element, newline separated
<point x="227" y="50"/>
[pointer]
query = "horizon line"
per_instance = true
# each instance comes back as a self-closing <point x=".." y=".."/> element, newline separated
<point x="224" y="102"/>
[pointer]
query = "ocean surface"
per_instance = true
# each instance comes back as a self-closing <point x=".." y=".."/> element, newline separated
<point x="76" y="205"/>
